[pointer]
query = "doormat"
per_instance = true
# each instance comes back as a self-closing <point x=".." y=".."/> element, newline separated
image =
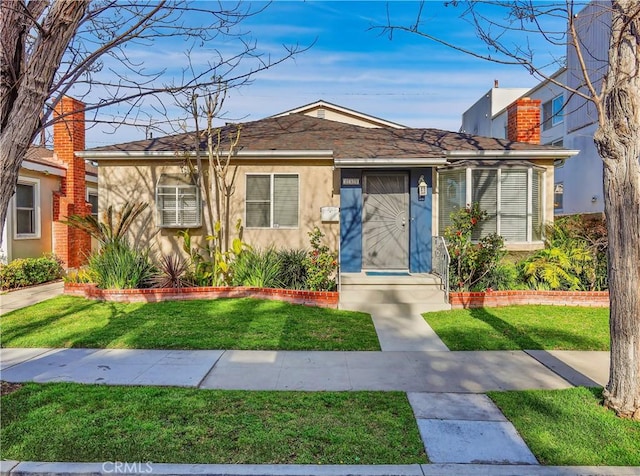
<point x="386" y="273"/>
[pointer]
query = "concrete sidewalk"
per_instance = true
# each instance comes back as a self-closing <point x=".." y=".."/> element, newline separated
<point x="435" y="372"/>
<point x="12" y="300"/>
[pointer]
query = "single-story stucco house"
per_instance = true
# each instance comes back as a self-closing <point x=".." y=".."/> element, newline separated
<point x="379" y="191"/>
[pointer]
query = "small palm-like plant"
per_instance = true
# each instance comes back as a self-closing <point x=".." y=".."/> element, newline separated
<point x="172" y="272"/>
<point x="552" y="268"/>
<point x="114" y="225"/>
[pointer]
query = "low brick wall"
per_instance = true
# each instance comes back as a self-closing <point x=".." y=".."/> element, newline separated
<point x="465" y="300"/>
<point x="308" y="298"/>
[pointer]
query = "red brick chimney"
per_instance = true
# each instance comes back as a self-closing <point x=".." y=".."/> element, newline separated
<point x="70" y="245"/>
<point x="523" y="120"/>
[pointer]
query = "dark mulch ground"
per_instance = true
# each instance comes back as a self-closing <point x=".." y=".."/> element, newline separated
<point x="7" y="387"/>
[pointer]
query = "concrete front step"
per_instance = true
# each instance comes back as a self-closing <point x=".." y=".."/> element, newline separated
<point x="393" y="310"/>
<point x="387" y="280"/>
<point x="392" y="294"/>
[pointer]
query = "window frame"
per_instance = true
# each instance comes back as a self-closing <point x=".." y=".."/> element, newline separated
<point x="177" y="187"/>
<point x="530" y="169"/>
<point x="553" y="112"/>
<point x="271" y="176"/>
<point x="94" y="192"/>
<point x="37" y="233"/>
<point x="560" y="205"/>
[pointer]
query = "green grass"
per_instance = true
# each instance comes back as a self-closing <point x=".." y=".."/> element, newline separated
<point x="72" y="422"/>
<point x="218" y="324"/>
<point x="523" y="327"/>
<point x="571" y="428"/>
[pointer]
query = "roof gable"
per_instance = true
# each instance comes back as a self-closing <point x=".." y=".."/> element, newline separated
<point x="332" y="112"/>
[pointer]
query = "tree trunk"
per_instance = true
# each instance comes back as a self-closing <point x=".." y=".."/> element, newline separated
<point x="21" y="110"/>
<point x="618" y="142"/>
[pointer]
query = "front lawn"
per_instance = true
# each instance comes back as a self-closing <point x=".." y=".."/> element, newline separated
<point x="571" y="428"/>
<point x="217" y="324"/>
<point x="523" y="327"/>
<point x="73" y="422"/>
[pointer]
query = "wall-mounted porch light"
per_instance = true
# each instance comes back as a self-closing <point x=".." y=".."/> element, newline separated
<point x="422" y="188"/>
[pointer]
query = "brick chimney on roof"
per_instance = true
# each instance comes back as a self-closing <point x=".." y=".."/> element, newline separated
<point x="70" y="245"/>
<point x="523" y="121"/>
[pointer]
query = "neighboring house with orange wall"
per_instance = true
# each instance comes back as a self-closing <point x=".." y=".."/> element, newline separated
<point x="51" y="185"/>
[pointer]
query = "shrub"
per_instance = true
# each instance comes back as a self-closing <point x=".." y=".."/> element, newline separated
<point x="471" y="263"/>
<point x="81" y="276"/>
<point x="501" y="278"/>
<point x="29" y="271"/>
<point x="577" y="236"/>
<point x="211" y="266"/>
<point x="556" y="268"/>
<point x="321" y="264"/>
<point x="293" y="272"/>
<point x="257" y="268"/>
<point x="172" y="272"/>
<point x="119" y="266"/>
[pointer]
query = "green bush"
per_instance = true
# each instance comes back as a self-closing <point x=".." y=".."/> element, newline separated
<point x="472" y="263"/>
<point x="257" y="268"/>
<point x="503" y="277"/>
<point x="584" y="240"/>
<point x="321" y="264"/>
<point x="293" y="272"/>
<point x="29" y="271"/>
<point x="119" y="266"/>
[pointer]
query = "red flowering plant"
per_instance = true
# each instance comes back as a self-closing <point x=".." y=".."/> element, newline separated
<point x="471" y="261"/>
<point x="321" y="263"/>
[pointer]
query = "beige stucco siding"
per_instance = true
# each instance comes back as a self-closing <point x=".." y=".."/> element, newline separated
<point x="135" y="181"/>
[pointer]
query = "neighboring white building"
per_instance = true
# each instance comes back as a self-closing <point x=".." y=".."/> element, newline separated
<point x="487" y="117"/>
<point x="567" y="120"/>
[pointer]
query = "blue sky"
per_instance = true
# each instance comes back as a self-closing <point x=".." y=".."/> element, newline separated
<point x="408" y="79"/>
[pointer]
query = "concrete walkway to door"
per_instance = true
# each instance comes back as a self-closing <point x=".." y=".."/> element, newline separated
<point x="395" y="303"/>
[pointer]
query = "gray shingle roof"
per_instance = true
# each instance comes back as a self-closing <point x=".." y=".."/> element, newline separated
<point x="301" y="132"/>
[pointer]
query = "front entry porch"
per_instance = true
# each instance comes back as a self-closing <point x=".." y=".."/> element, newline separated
<point x="385" y="222"/>
<point x="392" y="292"/>
<point x="396" y="302"/>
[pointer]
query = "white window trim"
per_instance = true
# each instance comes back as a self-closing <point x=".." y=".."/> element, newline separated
<point x="159" y="223"/>
<point x="271" y="201"/>
<point x="35" y="182"/>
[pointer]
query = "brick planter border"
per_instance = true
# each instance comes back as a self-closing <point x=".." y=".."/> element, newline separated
<point x="466" y="300"/>
<point x="309" y="298"/>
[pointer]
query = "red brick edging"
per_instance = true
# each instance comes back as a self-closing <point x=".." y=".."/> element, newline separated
<point x="308" y="298"/>
<point x="465" y="300"/>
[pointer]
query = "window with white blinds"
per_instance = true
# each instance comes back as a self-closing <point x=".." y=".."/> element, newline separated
<point x="272" y="201"/>
<point x="484" y="190"/>
<point x="452" y="186"/>
<point x="513" y="204"/>
<point x="178" y="202"/>
<point x="511" y="196"/>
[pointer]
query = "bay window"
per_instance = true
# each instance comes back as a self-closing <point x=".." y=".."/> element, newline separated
<point x="510" y="194"/>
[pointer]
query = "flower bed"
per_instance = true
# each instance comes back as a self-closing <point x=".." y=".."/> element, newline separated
<point x="465" y="300"/>
<point x="308" y="298"/>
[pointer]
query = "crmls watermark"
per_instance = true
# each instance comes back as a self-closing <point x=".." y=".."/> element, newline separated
<point x="120" y="467"/>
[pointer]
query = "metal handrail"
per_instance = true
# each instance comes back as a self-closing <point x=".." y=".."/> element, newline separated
<point x="440" y="262"/>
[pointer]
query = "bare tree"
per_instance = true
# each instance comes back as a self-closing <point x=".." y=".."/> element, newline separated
<point x="220" y="177"/>
<point x="614" y="93"/>
<point x="52" y="47"/>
